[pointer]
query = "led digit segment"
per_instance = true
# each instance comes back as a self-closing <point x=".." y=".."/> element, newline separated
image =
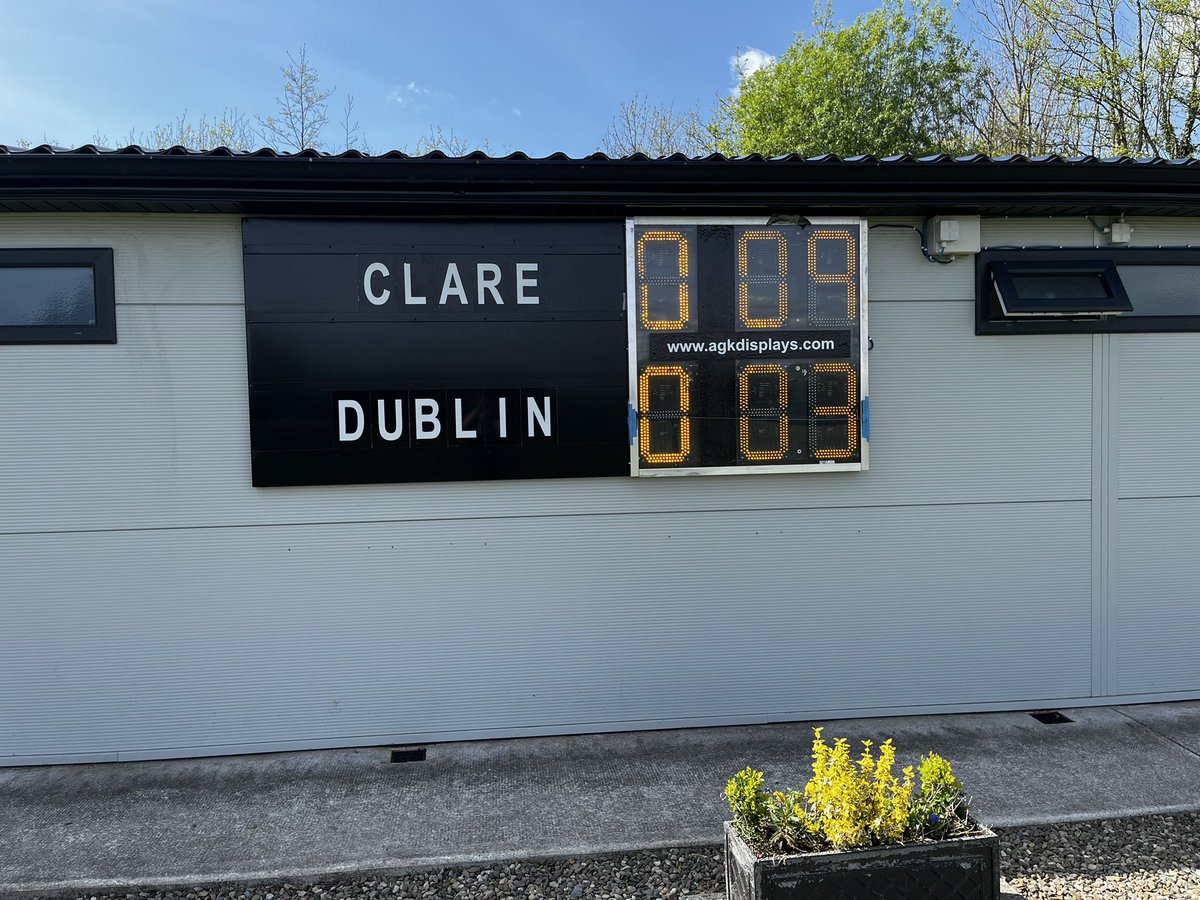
<point x="665" y="429"/>
<point x="840" y="378"/>
<point x="762" y="278"/>
<point x="663" y="271"/>
<point x="746" y="346"/>
<point x="763" y="405"/>
<point x="827" y="249"/>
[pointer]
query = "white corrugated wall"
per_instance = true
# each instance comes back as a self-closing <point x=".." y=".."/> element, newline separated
<point x="1155" y="640"/>
<point x="155" y="604"/>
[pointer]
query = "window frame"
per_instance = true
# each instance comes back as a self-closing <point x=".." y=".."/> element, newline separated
<point x="100" y="261"/>
<point x="987" y="323"/>
<point x="1006" y="272"/>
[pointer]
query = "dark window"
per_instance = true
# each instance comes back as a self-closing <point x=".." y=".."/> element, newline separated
<point x="57" y="296"/>
<point x="1163" y="290"/>
<point x="1059" y="288"/>
<point x="1102" y="290"/>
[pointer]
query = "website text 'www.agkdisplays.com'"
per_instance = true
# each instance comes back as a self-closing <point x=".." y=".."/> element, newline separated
<point x="749" y="345"/>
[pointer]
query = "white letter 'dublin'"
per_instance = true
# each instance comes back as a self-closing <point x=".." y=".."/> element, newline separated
<point x="390" y="434"/>
<point x="345" y="433"/>
<point x="425" y="419"/>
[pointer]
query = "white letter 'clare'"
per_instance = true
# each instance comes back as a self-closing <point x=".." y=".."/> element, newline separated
<point x="409" y="298"/>
<point x="453" y="285"/>
<point x="488" y="285"/>
<point x="523" y="282"/>
<point x="376" y="269"/>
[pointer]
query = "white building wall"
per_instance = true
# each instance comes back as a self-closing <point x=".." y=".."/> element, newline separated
<point x="1147" y="491"/>
<point x="156" y="604"/>
<point x="1156" y="640"/>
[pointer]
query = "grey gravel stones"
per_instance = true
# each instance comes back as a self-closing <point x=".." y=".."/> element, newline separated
<point x="1132" y="859"/>
<point x="648" y="875"/>
<point x="1144" y="858"/>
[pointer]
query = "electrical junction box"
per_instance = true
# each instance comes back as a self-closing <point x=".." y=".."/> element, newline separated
<point x="1120" y="233"/>
<point x="954" y="236"/>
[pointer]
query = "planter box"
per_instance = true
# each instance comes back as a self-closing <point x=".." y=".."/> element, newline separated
<point x="958" y="869"/>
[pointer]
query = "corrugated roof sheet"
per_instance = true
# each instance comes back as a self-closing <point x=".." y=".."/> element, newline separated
<point x="270" y="153"/>
<point x="265" y="182"/>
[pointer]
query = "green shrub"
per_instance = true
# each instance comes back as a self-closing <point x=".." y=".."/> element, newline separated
<point x="787" y="823"/>
<point x="940" y="811"/>
<point x="857" y="805"/>
<point x="850" y="802"/>
<point x="748" y="802"/>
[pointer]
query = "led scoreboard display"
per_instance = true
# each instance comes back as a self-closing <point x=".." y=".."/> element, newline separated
<point x="388" y="351"/>
<point x="746" y="346"/>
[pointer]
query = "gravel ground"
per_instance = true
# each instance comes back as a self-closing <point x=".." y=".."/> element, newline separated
<point x="1132" y="859"/>
<point x="634" y="876"/>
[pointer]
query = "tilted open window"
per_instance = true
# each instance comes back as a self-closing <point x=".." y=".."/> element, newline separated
<point x="57" y="296"/>
<point x="1059" y="288"/>
<point x="1102" y="290"/>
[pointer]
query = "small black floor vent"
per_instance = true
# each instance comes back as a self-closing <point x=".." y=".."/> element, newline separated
<point x="1050" y="717"/>
<point x="408" y="754"/>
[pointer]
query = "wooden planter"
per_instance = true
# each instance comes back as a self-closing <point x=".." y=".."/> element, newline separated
<point x="957" y="869"/>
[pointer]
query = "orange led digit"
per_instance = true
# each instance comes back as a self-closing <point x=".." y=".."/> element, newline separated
<point x="679" y="282"/>
<point x="647" y="414"/>
<point x="776" y="276"/>
<point x="849" y="410"/>
<point x="780" y="373"/>
<point x="848" y="278"/>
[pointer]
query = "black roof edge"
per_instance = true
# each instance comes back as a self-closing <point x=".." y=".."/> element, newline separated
<point x="352" y="183"/>
<point x="311" y="153"/>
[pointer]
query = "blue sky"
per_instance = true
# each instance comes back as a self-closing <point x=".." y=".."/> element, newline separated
<point x="534" y="75"/>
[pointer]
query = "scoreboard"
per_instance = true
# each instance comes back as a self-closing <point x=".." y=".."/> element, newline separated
<point x="746" y="346"/>
<point x="385" y="351"/>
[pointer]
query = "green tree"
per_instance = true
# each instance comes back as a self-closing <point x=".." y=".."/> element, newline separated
<point x="896" y="80"/>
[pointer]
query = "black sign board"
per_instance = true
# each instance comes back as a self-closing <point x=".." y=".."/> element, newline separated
<point x="435" y="351"/>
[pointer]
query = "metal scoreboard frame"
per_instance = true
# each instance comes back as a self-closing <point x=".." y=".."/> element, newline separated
<point x="857" y="354"/>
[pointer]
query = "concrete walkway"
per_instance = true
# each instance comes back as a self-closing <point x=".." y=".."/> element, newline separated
<point x="116" y="826"/>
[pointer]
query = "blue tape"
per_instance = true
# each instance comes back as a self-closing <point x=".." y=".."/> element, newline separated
<point x="632" y="424"/>
<point x="866" y="414"/>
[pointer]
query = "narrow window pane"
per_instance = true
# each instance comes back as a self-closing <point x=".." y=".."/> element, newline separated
<point x="1076" y="286"/>
<point x="1163" y="290"/>
<point x="47" y="296"/>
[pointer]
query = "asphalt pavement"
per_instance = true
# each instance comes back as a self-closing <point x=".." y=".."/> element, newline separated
<point x="103" y="828"/>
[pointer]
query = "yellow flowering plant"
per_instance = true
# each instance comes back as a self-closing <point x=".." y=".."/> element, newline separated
<point x="851" y="802"/>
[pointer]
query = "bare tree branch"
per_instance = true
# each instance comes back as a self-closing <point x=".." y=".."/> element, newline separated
<point x="656" y="130"/>
<point x="303" y="107"/>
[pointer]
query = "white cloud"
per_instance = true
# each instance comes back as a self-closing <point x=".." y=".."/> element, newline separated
<point x="516" y="111"/>
<point x="746" y="62"/>
<point x="408" y="94"/>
